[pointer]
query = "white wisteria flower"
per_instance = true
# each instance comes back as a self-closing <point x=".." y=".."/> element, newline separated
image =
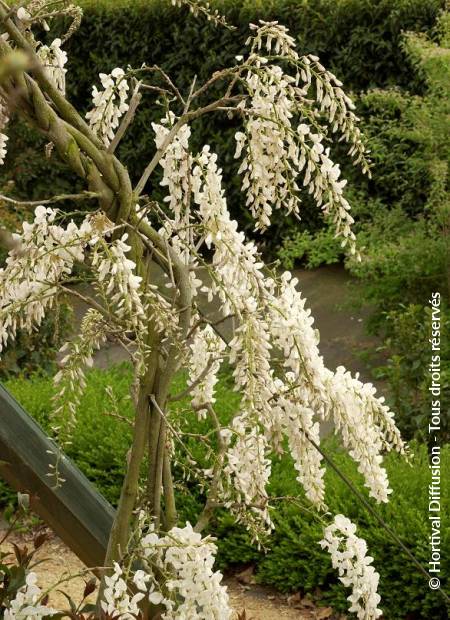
<point x="349" y="556"/>
<point x="285" y="132"/>
<point x="70" y="380"/>
<point x="26" y="605"/>
<point x="4" y="118"/>
<point x="206" y="356"/>
<point x="191" y="588"/>
<point x="110" y="104"/>
<point x="44" y="255"/>
<point x="54" y="60"/>
<point x="290" y="106"/>
<point x="116" y="596"/>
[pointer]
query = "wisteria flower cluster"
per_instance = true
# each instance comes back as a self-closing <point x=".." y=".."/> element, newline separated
<point x="45" y="254"/>
<point x="26" y="603"/>
<point x="349" y="556"/>
<point x="285" y="133"/>
<point x="365" y="423"/>
<point x="207" y="348"/>
<point x="192" y="588"/>
<point x="116" y="597"/>
<point x="110" y="104"/>
<point x="54" y="58"/>
<point x="3" y="137"/>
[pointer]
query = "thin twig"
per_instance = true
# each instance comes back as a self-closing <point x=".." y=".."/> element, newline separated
<point x="194" y="384"/>
<point x="47" y="201"/>
<point x="204" y="320"/>
<point x="171" y="84"/>
<point x="85" y="299"/>
<point x="119" y="417"/>
<point x="127" y="119"/>
<point x="210" y="504"/>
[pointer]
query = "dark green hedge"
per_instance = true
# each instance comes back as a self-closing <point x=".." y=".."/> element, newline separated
<point x="358" y="39"/>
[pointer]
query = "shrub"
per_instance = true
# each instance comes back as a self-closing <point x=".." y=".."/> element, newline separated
<point x="406" y="242"/>
<point x="100" y="441"/>
<point x="407" y="331"/>
<point x="294" y="560"/>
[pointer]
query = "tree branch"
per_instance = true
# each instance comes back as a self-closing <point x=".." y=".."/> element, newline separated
<point x="47" y="201"/>
<point x="211" y="502"/>
<point x="127" y="119"/>
<point x="194" y="384"/>
<point x="67" y="111"/>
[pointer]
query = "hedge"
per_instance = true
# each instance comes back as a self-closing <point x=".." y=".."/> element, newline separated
<point x="360" y="40"/>
<point x="294" y="560"/>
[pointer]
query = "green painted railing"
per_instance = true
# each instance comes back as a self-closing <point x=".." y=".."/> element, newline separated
<point x="76" y="511"/>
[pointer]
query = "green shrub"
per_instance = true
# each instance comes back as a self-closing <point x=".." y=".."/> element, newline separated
<point x="100" y="442"/>
<point x="294" y="560"/>
<point x="320" y="248"/>
<point x="406" y="241"/>
<point x="407" y="331"/>
<point x="405" y="233"/>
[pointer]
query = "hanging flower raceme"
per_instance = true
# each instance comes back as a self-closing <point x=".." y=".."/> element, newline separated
<point x="349" y="556"/>
<point x="190" y="587"/>
<point x="248" y="464"/>
<point x="248" y="469"/>
<point x="4" y="118"/>
<point x="176" y="164"/>
<point x="117" y="601"/>
<point x="336" y="396"/>
<point x="119" y="287"/>
<point x="44" y="255"/>
<point x="322" y="178"/>
<point x="110" y="104"/>
<point x="337" y="107"/>
<point x="236" y="264"/>
<point x="204" y="364"/>
<point x="271" y="154"/>
<point x="54" y="59"/>
<point x="300" y="426"/>
<point x="178" y="228"/>
<point x="70" y="380"/>
<point x="273" y="38"/>
<point x="284" y="135"/>
<point x="118" y="282"/>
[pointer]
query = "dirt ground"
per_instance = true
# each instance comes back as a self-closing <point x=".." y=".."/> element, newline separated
<point x="259" y="603"/>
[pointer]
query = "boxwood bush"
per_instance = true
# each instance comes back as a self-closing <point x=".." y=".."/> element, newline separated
<point x="294" y="561"/>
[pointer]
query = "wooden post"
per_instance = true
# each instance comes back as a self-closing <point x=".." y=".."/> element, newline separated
<point x="76" y="511"/>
